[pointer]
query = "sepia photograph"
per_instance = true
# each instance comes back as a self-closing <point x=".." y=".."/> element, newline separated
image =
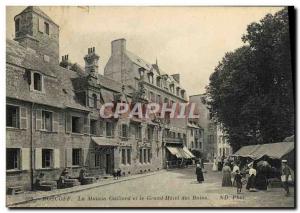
<point x="150" y="107"/>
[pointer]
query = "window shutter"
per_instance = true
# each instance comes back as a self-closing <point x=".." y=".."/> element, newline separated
<point x="23" y="118"/>
<point x="68" y="153"/>
<point x="56" y="158"/>
<point x="86" y="124"/>
<point x="92" y="163"/>
<point x="38" y="119"/>
<point x="120" y="130"/>
<point x="31" y="81"/>
<point x="38" y="158"/>
<point x="68" y="123"/>
<point x="55" y="122"/>
<point x="25" y="158"/>
<point x="41" y="25"/>
<point x="83" y="160"/>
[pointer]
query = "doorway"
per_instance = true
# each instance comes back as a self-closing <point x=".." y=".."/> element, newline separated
<point x="109" y="164"/>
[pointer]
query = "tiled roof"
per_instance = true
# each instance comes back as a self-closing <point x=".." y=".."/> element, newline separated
<point x="109" y="83"/>
<point x="17" y="84"/>
<point x="60" y="87"/>
<point x="66" y="78"/>
<point x="139" y="61"/>
<point x="27" y="58"/>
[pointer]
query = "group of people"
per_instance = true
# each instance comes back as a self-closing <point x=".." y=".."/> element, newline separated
<point x="257" y="176"/>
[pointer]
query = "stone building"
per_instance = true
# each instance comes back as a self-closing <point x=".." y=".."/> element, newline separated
<point x="52" y="108"/>
<point x="209" y="127"/>
<point x="159" y="87"/>
<point x="223" y="147"/>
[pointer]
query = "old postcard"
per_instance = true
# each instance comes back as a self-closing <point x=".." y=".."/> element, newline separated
<point x="150" y="107"/>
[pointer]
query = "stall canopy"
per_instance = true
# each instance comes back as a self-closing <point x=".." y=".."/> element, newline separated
<point x="271" y="150"/>
<point x="180" y="152"/>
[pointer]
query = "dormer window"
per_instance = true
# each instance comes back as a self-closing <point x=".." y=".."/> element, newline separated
<point x="150" y="78"/>
<point x="46" y="30"/>
<point x="141" y="71"/>
<point x="17" y="25"/>
<point x="158" y="81"/>
<point x="37" y="81"/>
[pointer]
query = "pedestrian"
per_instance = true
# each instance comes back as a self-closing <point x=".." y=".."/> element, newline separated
<point x="238" y="181"/>
<point x="226" y="180"/>
<point x="234" y="170"/>
<point x="215" y="165"/>
<point x="252" y="178"/>
<point x="199" y="173"/>
<point x="285" y="176"/>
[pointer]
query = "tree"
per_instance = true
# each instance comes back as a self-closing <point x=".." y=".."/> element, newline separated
<point x="251" y="90"/>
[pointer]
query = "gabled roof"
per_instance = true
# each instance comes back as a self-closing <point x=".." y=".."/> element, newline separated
<point x="37" y="10"/>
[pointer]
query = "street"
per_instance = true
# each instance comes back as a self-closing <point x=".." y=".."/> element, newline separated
<point x="176" y="188"/>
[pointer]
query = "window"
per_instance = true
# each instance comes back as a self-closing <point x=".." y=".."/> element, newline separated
<point x="141" y="155"/>
<point x="158" y="100"/>
<point x="47" y="121"/>
<point x="150" y="133"/>
<point x="177" y="91"/>
<point x="109" y="129"/>
<point x="12" y="116"/>
<point x="76" y="154"/>
<point x="145" y="156"/>
<point x="93" y="127"/>
<point x="128" y="156"/>
<point x="182" y="93"/>
<point x="192" y="144"/>
<point x="102" y="128"/>
<point x="46" y="28"/>
<point x="150" y="78"/>
<point x="12" y="159"/>
<point x="17" y="25"/>
<point x="191" y="132"/>
<point x="124" y="131"/>
<point x="149" y="155"/>
<point x="158" y="81"/>
<point x="151" y="97"/>
<point x="123" y="156"/>
<point x="200" y="145"/>
<point x="138" y="133"/>
<point x="37" y="81"/>
<point x="76" y="125"/>
<point x="47" y="155"/>
<point x="94" y="100"/>
<point x="97" y="159"/>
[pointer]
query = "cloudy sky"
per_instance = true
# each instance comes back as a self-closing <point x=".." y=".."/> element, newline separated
<point x="185" y="40"/>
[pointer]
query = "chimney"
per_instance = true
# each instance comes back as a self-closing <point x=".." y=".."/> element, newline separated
<point x="91" y="61"/>
<point x="65" y="62"/>
<point x="176" y="77"/>
<point x="118" y="46"/>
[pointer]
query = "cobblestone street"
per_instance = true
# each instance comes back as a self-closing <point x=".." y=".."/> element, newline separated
<point x="176" y="188"/>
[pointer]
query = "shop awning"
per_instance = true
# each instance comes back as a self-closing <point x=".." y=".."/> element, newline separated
<point x="101" y="141"/>
<point x="271" y="150"/>
<point x="180" y="152"/>
<point x="188" y="152"/>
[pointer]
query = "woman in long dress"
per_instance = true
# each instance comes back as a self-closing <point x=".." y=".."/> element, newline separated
<point x="215" y="165"/>
<point x="199" y="173"/>
<point x="252" y="178"/>
<point x="226" y="181"/>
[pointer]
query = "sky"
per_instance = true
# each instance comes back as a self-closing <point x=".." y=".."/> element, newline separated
<point x="185" y="40"/>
